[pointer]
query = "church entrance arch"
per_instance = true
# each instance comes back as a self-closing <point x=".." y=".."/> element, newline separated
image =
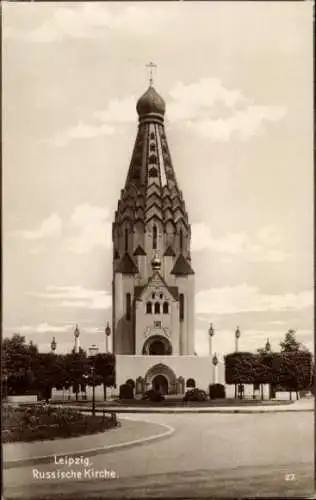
<point x="157" y="345"/>
<point x="161" y="377"/>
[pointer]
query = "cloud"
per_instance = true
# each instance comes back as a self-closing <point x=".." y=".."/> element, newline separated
<point x="41" y="328"/>
<point x="88" y="227"/>
<point x="86" y="21"/>
<point x="193" y="100"/>
<point x="250" y="340"/>
<point x="118" y="111"/>
<point x="239" y="243"/>
<point x="246" y="298"/>
<point x="75" y="297"/>
<point x="80" y="131"/>
<point x="49" y="228"/>
<point x="217" y="113"/>
<point x="93" y="228"/>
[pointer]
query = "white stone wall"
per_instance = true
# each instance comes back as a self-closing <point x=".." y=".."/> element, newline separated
<point x="199" y="368"/>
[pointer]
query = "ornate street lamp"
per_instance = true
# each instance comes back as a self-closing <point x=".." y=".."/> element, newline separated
<point x="77" y="342"/>
<point x="53" y="345"/>
<point x="107" y="334"/>
<point x="237" y="336"/>
<point x="215" y="369"/>
<point x="93" y="351"/>
<point x="211" y="335"/>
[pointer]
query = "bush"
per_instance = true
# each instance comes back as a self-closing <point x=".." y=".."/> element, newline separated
<point x="195" y="395"/>
<point x="45" y="422"/>
<point x="131" y="383"/>
<point x="190" y="383"/>
<point x="217" y="391"/>
<point x="126" y="392"/>
<point x="153" y="396"/>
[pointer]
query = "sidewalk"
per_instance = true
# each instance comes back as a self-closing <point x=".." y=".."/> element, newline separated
<point x="130" y="434"/>
<point x="302" y="405"/>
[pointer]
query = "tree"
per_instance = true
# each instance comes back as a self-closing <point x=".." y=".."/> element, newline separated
<point x="105" y="369"/>
<point x="17" y="360"/>
<point x="76" y="367"/>
<point x="50" y="371"/>
<point x="290" y="343"/>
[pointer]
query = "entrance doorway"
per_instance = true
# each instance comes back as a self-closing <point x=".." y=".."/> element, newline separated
<point x="160" y="384"/>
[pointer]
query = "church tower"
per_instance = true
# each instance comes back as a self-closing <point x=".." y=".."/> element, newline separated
<point x="153" y="279"/>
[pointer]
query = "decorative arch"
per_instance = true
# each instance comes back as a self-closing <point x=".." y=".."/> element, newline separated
<point x="157" y="345"/>
<point x="162" y="370"/>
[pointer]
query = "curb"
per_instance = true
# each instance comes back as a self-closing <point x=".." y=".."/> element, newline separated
<point x="93" y="451"/>
<point x="149" y="411"/>
<point x="166" y="410"/>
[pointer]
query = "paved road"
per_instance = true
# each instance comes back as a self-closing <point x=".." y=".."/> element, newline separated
<point x="206" y="451"/>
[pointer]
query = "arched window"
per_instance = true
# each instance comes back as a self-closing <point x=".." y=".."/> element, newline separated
<point x="165" y="308"/>
<point x="153" y="172"/>
<point x="126" y="240"/>
<point x="149" y="308"/>
<point x="152" y="135"/>
<point x="181" y="312"/>
<point x="157" y="308"/>
<point x="155" y="237"/>
<point x="152" y="147"/>
<point x="128" y="306"/>
<point x="181" y="240"/>
<point x="152" y="159"/>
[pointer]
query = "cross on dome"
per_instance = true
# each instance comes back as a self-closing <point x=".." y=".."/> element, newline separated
<point x="151" y="65"/>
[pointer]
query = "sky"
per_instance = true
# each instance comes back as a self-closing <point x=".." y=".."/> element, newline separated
<point x="237" y="79"/>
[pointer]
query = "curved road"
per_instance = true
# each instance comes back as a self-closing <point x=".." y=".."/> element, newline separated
<point x="237" y="454"/>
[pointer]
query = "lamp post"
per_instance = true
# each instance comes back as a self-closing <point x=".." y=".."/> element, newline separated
<point x="107" y="334"/>
<point x="268" y="346"/>
<point x="93" y="351"/>
<point x="237" y="336"/>
<point x="53" y="345"/>
<point x="5" y="380"/>
<point x="211" y="335"/>
<point x="215" y="369"/>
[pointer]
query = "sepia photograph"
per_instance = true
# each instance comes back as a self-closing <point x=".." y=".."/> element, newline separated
<point x="158" y="275"/>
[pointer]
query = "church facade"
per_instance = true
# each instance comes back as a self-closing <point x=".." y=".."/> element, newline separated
<point x="153" y="291"/>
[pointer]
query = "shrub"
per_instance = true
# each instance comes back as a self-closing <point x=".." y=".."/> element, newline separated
<point x="153" y="396"/>
<point x="195" y="395"/>
<point x="126" y="392"/>
<point x="43" y="422"/>
<point x="217" y="391"/>
<point x="131" y="383"/>
<point x="190" y="383"/>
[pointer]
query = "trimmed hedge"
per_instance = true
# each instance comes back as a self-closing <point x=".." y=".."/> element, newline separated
<point x="190" y="383"/>
<point x="153" y="396"/>
<point x="195" y="395"/>
<point x="130" y="382"/>
<point x="126" y="392"/>
<point x="217" y="391"/>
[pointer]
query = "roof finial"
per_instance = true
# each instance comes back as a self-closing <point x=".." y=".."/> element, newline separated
<point x="151" y="65"/>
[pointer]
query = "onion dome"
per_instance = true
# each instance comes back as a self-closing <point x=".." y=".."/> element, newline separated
<point x="150" y="102"/>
